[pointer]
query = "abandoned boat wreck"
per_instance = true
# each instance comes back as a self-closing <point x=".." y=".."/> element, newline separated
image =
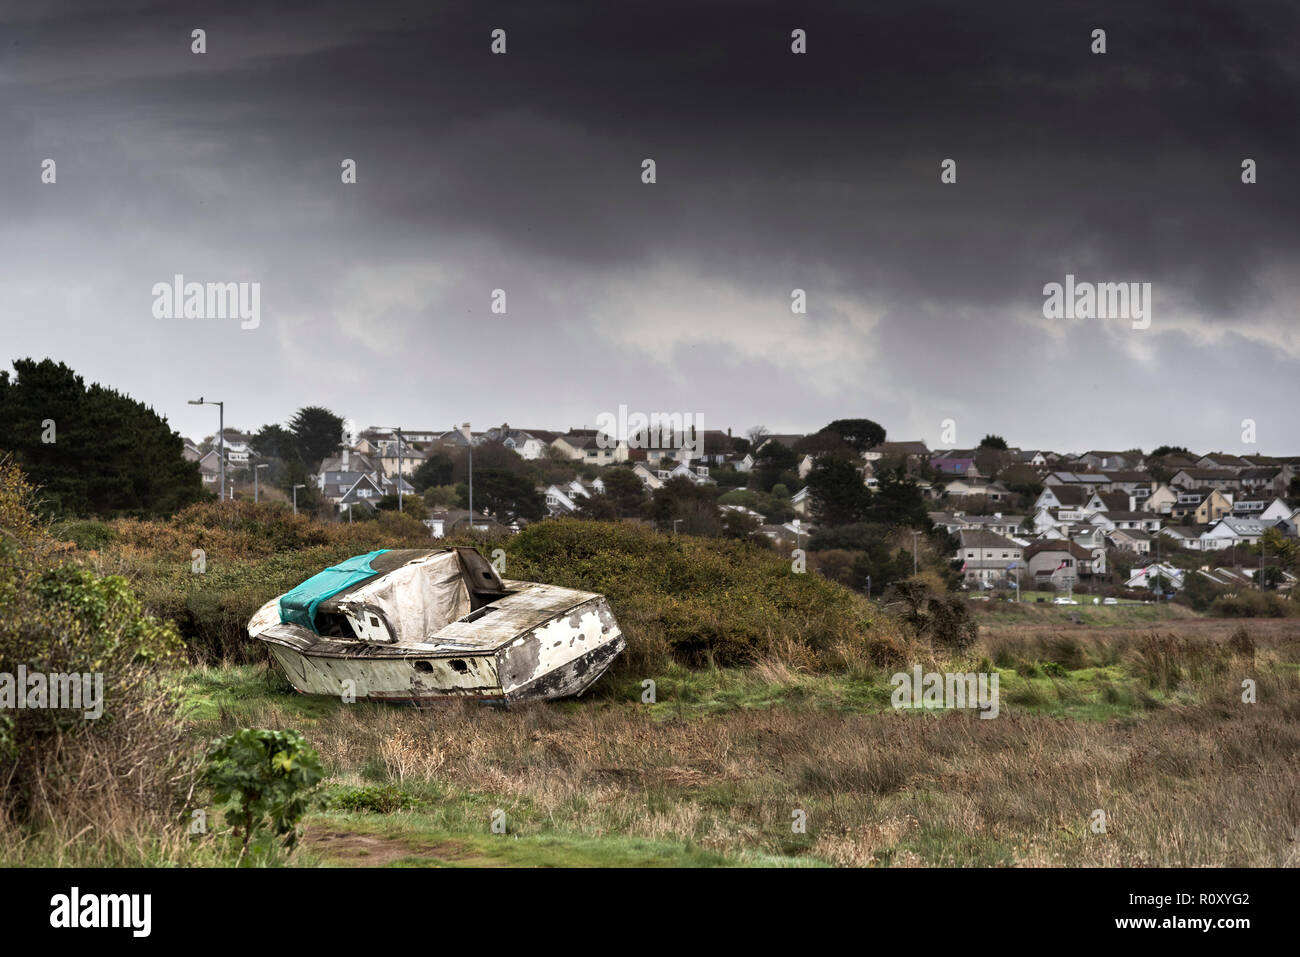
<point x="417" y="625"/>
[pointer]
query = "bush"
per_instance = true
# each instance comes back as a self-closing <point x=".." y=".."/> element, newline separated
<point x="941" y="619"/>
<point x="87" y="535"/>
<point x="1254" y="604"/>
<point x="374" y="799"/>
<point x="698" y="600"/>
<point x="127" y="764"/>
<point x="266" y="779"/>
<point x="677" y="597"/>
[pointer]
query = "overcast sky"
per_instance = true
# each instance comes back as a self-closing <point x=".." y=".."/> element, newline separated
<point x="775" y="171"/>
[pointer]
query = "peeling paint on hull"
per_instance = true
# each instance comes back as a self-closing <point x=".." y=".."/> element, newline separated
<point x="533" y="642"/>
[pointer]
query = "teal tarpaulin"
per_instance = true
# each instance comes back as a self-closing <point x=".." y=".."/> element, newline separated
<point x="298" y="606"/>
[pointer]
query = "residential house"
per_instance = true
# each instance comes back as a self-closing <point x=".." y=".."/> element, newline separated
<point x="987" y="557"/>
<point x="1185" y="536"/>
<point x="1007" y="526"/>
<point x="649" y="477"/>
<point x="1267" y="508"/>
<point x="699" y="474"/>
<point x="1217" y="478"/>
<point x="954" y="462"/>
<point x="591" y="446"/>
<point x="1215" y="506"/>
<point x="1062" y="496"/>
<point x="1131" y="540"/>
<point x="1149" y="575"/>
<point x="1266" y="478"/>
<point x="1230" y="531"/>
<point x="561" y="501"/>
<point x="396" y="456"/>
<point x="1204" y="505"/>
<point x="1160" y="499"/>
<point x="1063" y="563"/>
<point x="976" y="488"/>
<point x="1221" y="460"/>
<point x="1112" y="460"/>
<point x="913" y="454"/>
<point x="1088" y="481"/>
<point x="1130" y="481"/>
<point x="530" y="444"/>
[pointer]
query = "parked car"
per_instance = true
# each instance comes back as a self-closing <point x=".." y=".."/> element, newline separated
<point x="1111" y="601"/>
<point x="1064" y="601"/>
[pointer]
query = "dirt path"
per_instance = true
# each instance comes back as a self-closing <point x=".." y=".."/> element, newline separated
<point x="351" y="849"/>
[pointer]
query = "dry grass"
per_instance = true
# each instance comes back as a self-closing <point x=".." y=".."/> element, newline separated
<point x="1211" y="782"/>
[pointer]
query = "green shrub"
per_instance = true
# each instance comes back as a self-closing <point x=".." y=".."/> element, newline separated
<point x="266" y="779"/>
<point x="374" y="799"/>
<point x="1255" y="604"/>
<point x="88" y="535"/>
<point x="698" y="600"/>
<point x="58" y="619"/>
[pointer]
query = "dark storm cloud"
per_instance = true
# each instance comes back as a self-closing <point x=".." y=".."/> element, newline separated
<point x="775" y="171"/>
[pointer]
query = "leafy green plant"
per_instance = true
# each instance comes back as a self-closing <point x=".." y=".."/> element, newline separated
<point x="267" y="778"/>
<point x="375" y="798"/>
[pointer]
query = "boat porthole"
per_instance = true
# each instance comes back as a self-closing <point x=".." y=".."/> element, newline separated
<point x="458" y="665"/>
<point x="424" y="666"/>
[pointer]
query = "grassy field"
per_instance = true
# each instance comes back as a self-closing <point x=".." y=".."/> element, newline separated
<point x="1140" y="722"/>
<point x="772" y="739"/>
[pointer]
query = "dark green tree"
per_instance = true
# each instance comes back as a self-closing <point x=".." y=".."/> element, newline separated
<point x="861" y="434"/>
<point x="771" y="463"/>
<point x="505" y="494"/>
<point x="839" y="496"/>
<point x="317" y="433"/>
<point x="898" y="501"/>
<point x="435" y="470"/>
<point x="92" y="450"/>
<point x="626" y="492"/>
<point x="681" y="505"/>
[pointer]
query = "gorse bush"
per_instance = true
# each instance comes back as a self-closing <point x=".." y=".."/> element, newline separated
<point x="944" y="620"/>
<point x="697" y="600"/>
<point x="1255" y="604"/>
<point x="114" y="748"/>
<point x="692" y="600"/>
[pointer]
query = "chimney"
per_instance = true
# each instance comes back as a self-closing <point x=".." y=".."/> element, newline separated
<point x="347" y="457"/>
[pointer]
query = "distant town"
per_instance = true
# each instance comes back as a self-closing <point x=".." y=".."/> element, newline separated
<point x="1032" y="518"/>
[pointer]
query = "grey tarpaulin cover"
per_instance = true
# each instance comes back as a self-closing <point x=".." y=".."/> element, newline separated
<point x="419" y="598"/>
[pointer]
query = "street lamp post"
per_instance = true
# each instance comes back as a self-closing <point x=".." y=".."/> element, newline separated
<point x="256" y="469"/>
<point x="221" y="439"/>
<point x="397" y="430"/>
<point x="295" y="497"/>
<point x="469" y="452"/>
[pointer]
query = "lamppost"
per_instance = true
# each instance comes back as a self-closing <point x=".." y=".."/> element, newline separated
<point x="221" y="439"/>
<point x="295" y="497"/>
<point x="469" y="452"/>
<point x="256" y="469"/>
<point x="398" y="432"/>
